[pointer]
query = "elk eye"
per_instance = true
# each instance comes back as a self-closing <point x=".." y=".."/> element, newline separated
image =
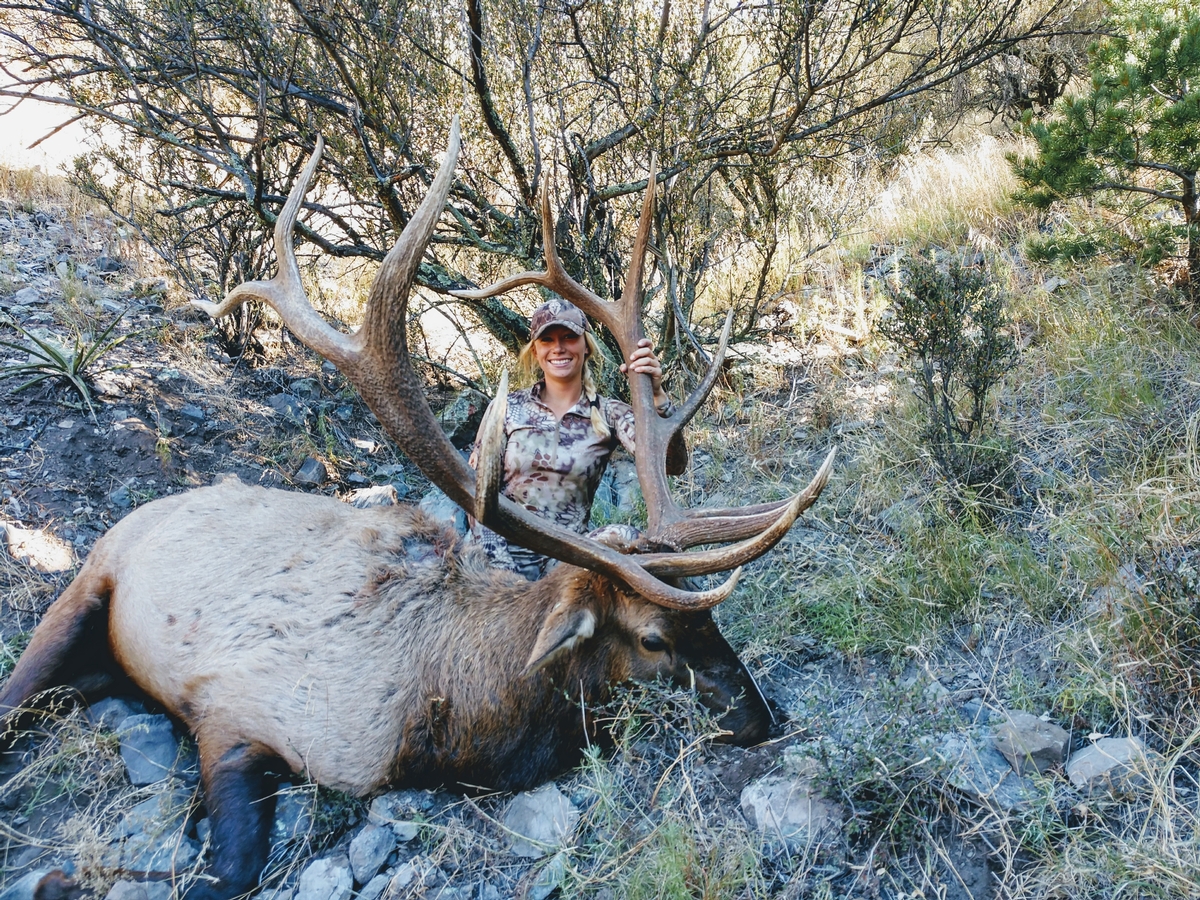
<point x="654" y="643"/>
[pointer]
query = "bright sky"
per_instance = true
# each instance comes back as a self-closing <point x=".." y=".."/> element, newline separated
<point x="27" y="123"/>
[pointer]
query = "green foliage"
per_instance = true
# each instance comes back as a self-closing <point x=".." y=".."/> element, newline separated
<point x="48" y="359"/>
<point x="948" y="322"/>
<point x="1136" y="131"/>
<point x="1065" y="247"/>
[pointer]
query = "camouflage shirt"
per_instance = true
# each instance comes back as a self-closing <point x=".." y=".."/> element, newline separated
<point x="552" y="467"/>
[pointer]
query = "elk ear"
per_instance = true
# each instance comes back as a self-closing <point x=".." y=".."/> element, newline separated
<point x="569" y="624"/>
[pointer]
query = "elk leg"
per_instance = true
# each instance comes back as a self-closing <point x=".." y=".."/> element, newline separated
<point x="239" y="793"/>
<point x="71" y="639"/>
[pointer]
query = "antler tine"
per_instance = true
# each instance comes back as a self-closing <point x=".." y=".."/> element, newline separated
<point x="489" y="467"/>
<point x="758" y="542"/>
<point x="285" y="292"/>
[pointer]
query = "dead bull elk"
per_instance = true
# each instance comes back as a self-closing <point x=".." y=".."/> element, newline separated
<point x="366" y="648"/>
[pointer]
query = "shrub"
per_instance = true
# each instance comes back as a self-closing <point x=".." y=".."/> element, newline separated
<point x="948" y="322"/>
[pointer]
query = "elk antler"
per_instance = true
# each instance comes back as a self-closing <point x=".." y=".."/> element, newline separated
<point x="376" y="361"/>
<point x="759" y="527"/>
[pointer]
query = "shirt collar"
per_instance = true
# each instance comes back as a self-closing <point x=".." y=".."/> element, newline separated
<point x="581" y="408"/>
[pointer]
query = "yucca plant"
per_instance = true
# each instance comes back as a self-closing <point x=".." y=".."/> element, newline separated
<point x="48" y="359"/>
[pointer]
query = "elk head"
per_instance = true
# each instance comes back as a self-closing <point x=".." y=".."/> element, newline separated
<point x="376" y="361"/>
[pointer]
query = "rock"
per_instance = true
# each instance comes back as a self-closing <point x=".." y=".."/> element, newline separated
<point x="120" y="497"/>
<point x="789" y="811"/>
<point x="38" y="549"/>
<point x="548" y="878"/>
<point x="444" y="510"/>
<point x="1115" y="765"/>
<point x="399" y="811"/>
<point x="379" y="495"/>
<point x="149" y="748"/>
<point x="111" y="712"/>
<point x="288" y="406"/>
<point x="369" y="851"/>
<point x="462" y="416"/>
<point x="150" y="837"/>
<point x="326" y="879"/>
<point x="1053" y="283"/>
<point x="312" y="473"/>
<point x="541" y="820"/>
<point x="1030" y="744"/>
<point x="107" y="264"/>
<point x="374" y="888"/>
<point x="140" y="890"/>
<point x="150" y="287"/>
<point x="977" y="770"/>
<point x="23" y="887"/>
<point x="192" y="411"/>
<point x="306" y="387"/>
<point x="293" y="815"/>
<point x="28" y="296"/>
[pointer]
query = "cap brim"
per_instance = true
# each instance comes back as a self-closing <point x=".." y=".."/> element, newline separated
<point x="574" y="327"/>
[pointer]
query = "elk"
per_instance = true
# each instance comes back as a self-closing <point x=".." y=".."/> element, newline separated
<point x="370" y="648"/>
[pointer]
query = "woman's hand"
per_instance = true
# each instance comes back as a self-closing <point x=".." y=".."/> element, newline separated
<point x="644" y="362"/>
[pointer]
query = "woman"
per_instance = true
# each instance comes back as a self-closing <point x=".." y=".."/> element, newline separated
<point x="560" y="433"/>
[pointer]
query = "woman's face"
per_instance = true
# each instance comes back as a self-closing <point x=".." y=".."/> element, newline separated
<point x="561" y="353"/>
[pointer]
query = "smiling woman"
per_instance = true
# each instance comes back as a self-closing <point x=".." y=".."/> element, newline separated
<point x="559" y="433"/>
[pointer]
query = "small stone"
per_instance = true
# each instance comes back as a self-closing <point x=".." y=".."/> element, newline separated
<point x="108" y="264"/>
<point x="326" y="879"/>
<point x="790" y="811"/>
<point x="293" y="815"/>
<point x="149" y="748"/>
<point x="400" y="811"/>
<point x="192" y="411"/>
<point x="1029" y="744"/>
<point x="150" y="836"/>
<point x="548" y="878"/>
<point x="288" y="406"/>
<point x="1117" y="766"/>
<point x="977" y="770"/>
<point x="444" y="510"/>
<point x="140" y="890"/>
<point x="38" y="549"/>
<point x="462" y="416"/>
<point x="540" y="819"/>
<point x="109" y="713"/>
<point x="379" y="495"/>
<point x="312" y="473"/>
<point x="374" y="888"/>
<point x="1053" y="283"/>
<point x="120" y="497"/>
<point x="28" y="296"/>
<point x="369" y="851"/>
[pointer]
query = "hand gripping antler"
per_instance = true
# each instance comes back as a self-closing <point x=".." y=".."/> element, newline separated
<point x="758" y="527"/>
<point x="376" y="361"/>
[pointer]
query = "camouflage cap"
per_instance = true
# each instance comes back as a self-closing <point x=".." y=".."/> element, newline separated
<point x="557" y="312"/>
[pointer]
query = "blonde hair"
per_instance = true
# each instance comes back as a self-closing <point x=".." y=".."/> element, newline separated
<point x="528" y="371"/>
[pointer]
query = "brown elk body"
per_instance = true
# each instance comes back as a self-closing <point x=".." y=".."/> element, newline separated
<point x="366" y="648"/>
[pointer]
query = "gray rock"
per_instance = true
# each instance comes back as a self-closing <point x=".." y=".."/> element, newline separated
<point x="369" y="851"/>
<point x="120" y="497"/>
<point x="540" y="820"/>
<point x="978" y="771"/>
<point x="1053" y="283"/>
<point x="374" y="888"/>
<point x="379" y="495"/>
<point x="149" y="748"/>
<point x="108" y="264"/>
<point x="110" y="713"/>
<point x="549" y="878"/>
<point x="791" y="812"/>
<point x="619" y="490"/>
<point x="401" y="811"/>
<point x="140" y="890"/>
<point x="444" y="510"/>
<point x="22" y="888"/>
<point x="150" y="837"/>
<point x="28" y="296"/>
<point x="293" y="815"/>
<point x="312" y="473"/>
<point x="1029" y="744"/>
<point x="192" y="411"/>
<point x="326" y="879"/>
<point x="1116" y="766"/>
<point x="902" y="517"/>
<point x="288" y="406"/>
<point x="461" y="417"/>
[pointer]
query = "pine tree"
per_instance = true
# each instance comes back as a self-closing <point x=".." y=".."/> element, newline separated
<point x="1136" y="131"/>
